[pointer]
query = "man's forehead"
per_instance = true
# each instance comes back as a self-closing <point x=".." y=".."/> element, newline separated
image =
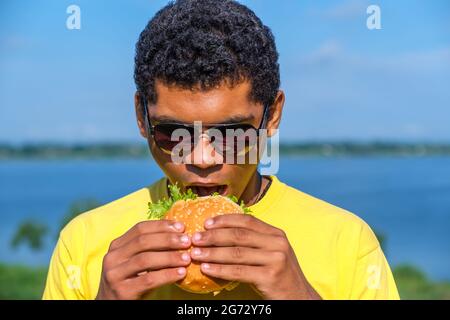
<point x="222" y="104"/>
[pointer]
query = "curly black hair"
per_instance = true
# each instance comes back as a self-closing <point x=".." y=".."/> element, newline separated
<point x="201" y="43"/>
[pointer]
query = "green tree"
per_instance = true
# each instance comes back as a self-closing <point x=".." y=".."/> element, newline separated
<point x="77" y="207"/>
<point x="382" y="239"/>
<point x="31" y="233"/>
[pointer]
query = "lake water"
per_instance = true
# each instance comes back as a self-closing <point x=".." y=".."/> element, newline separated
<point x="406" y="199"/>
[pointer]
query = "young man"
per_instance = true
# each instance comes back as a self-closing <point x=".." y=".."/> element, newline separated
<point x="214" y="61"/>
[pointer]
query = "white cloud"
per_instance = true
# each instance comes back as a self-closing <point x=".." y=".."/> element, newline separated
<point x="413" y="130"/>
<point x="14" y="42"/>
<point x="347" y="10"/>
<point x="430" y="60"/>
<point x="336" y="92"/>
<point x="331" y="53"/>
<point x="328" y="50"/>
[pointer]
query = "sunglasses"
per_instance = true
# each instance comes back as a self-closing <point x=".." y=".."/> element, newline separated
<point x="232" y="139"/>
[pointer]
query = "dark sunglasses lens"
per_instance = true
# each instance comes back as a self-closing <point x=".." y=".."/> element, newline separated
<point x="234" y="140"/>
<point x="166" y="139"/>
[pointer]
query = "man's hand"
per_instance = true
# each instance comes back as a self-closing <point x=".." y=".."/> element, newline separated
<point x="243" y="248"/>
<point x="146" y="257"/>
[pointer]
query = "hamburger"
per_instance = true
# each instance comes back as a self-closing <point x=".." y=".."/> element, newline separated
<point x="193" y="210"/>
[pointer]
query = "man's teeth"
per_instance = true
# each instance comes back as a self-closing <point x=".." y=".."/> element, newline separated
<point x="207" y="191"/>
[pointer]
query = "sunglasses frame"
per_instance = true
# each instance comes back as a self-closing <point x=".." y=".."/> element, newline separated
<point x="150" y="128"/>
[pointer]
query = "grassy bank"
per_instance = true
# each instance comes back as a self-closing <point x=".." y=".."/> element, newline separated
<point x="21" y="282"/>
<point x="412" y="283"/>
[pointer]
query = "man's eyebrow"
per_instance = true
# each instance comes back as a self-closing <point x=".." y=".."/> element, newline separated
<point x="230" y="119"/>
<point x="164" y="118"/>
<point x="238" y="119"/>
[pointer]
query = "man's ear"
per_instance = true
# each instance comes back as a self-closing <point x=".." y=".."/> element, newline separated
<point x="276" y="110"/>
<point x="140" y="115"/>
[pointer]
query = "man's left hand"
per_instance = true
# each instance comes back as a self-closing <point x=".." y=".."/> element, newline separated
<point x="240" y="247"/>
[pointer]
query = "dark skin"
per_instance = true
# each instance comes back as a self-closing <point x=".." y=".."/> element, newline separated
<point x="233" y="247"/>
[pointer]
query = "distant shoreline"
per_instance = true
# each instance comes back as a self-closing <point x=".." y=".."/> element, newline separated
<point x="137" y="151"/>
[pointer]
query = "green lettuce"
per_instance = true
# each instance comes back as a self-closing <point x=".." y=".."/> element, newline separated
<point x="157" y="210"/>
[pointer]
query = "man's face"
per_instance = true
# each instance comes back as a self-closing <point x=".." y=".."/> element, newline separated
<point x="220" y="105"/>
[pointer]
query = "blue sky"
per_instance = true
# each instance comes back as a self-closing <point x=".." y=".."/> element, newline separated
<point x="342" y="81"/>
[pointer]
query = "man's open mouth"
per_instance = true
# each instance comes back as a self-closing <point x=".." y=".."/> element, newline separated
<point x="207" y="190"/>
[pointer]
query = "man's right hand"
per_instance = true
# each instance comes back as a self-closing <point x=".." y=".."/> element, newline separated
<point x="144" y="258"/>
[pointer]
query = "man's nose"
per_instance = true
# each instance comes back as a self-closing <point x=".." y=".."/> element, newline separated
<point x="204" y="154"/>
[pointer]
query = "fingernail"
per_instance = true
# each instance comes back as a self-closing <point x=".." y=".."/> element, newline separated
<point x="197" y="251"/>
<point x="209" y="222"/>
<point x="197" y="236"/>
<point x="205" y="266"/>
<point x="184" y="239"/>
<point x="181" y="271"/>
<point x="185" y="256"/>
<point x="178" y="225"/>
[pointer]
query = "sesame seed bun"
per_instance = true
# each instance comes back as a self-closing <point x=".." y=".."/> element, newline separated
<point x="193" y="214"/>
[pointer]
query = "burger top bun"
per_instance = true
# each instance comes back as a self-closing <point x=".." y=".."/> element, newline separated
<point x="193" y="213"/>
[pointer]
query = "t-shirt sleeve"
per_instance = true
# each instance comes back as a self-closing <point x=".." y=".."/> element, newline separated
<point x="64" y="278"/>
<point x="373" y="279"/>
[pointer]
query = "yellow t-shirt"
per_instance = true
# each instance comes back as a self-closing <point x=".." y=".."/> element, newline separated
<point x="337" y="251"/>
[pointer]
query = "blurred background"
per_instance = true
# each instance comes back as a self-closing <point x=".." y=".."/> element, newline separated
<point x="365" y="126"/>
